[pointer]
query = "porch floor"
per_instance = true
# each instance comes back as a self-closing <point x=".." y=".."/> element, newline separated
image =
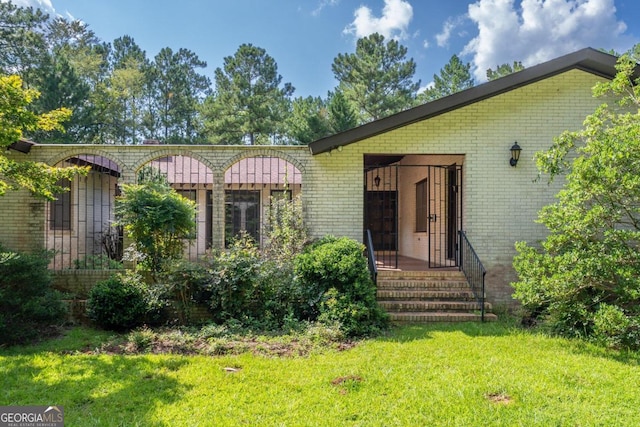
<point x="387" y="263"/>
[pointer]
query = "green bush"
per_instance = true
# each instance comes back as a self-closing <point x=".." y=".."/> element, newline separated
<point x="118" y="303"/>
<point x="97" y="262"/>
<point x="335" y="286"/>
<point x="236" y="291"/>
<point x="185" y="283"/>
<point x="27" y="303"/>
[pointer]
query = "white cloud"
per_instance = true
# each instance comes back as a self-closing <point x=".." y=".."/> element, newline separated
<point x="540" y="30"/>
<point x="442" y="38"/>
<point x="323" y="4"/>
<point x="394" y="22"/>
<point x="45" y="5"/>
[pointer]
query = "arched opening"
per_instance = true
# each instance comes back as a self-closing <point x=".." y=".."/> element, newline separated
<point x="250" y="186"/>
<point x="193" y="180"/>
<point x="80" y="226"/>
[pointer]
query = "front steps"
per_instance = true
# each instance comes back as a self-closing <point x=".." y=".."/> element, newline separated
<point x="429" y="296"/>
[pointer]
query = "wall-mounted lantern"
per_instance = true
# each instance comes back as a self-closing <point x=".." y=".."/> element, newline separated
<point x="376" y="181"/>
<point x="515" y="154"/>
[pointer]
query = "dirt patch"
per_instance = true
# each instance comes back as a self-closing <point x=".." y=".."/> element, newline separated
<point x="499" y="398"/>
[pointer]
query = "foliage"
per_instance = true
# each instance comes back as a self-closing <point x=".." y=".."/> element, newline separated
<point x="28" y="304"/>
<point x="249" y="105"/>
<point x="308" y="120"/>
<point x="176" y="91"/>
<point x="284" y="231"/>
<point x="186" y="283"/>
<point x="158" y="220"/>
<point x="454" y="77"/>
<point x="118" y="303"/>
<point x="587" y="269"/>
<point x="97" y="262"/>
<point x="335" y="286"/>
<point x="235" y="283"/>
<point x="376" y="79"/>
<point x="342" y="116"/>
<point x="21" y="38"/>
<point x="16" y="118"/>
<point x="504" y="70"/>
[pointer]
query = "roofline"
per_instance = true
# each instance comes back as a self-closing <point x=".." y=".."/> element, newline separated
<point x="588" y="59"/>
<point x="22" y="145"/>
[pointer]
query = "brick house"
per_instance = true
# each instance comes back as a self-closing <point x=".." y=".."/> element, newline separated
<point x="414" y="179"/>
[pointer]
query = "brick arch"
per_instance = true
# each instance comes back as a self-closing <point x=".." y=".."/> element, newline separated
<point x="165" y="152"/>
<point x="59" y="157"/>
<point x="245" y="154"/>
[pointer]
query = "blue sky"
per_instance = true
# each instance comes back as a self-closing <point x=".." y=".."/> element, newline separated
<point x="304" y="36"/>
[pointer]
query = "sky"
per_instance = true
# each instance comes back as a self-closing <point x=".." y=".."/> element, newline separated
<point x="304" y="36"/>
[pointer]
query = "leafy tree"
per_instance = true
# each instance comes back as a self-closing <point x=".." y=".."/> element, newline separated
<point x="158" y="220"/>
<point x="121" y="99"/>
<point x="504" y="70"/>
<point x="250" y="102"/>
<point x="70" y="74"/>
<point x="308" y="120"/>
<point x="377" y="79"/>
<point x="176" y="91"/>
<point x="583" y="280"/>
<point x="16" y="119"/>
<point x="341" y="114"/>
<point x="454" y="77"/>
<point x="21" y="39"/>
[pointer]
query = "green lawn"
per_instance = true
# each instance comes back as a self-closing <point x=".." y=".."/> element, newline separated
<point x="457" y="375"/>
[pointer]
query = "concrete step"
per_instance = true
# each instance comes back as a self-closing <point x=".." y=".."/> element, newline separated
<point x="429" y="317"/>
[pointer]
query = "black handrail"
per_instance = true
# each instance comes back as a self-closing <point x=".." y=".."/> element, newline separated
<point x="371" y="257"/>
<point x="473" y="270"/>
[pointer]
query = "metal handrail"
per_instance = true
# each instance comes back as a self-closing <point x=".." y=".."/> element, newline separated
<point x="371" y="258"/>
<point x="473" y="270"/>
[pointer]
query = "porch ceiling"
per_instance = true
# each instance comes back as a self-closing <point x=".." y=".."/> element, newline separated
<point x="373" y="161"/>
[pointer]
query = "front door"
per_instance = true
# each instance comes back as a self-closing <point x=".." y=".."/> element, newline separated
<point x="414" y="212"/>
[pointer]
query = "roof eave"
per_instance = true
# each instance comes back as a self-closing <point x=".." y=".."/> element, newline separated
<point x="588" y="59"/>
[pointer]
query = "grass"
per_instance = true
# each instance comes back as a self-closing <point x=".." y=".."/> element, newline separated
<point x="436" y="375"/>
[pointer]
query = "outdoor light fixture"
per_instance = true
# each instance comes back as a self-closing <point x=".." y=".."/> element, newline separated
<point x="515" y="154"/>
<point x="376" y="181"/>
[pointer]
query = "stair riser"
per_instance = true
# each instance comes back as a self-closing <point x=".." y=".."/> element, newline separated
<point x="432" y="296"/>
<point x="434" y="306"/>
<point x="409" y="295"/>
<point x="406" y="318"/>
<point x="442" y="284"/>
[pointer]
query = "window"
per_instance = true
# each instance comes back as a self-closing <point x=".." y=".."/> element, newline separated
<point x="422" y="205"/>
<point x="242" y="213"/>
<point x="60" y="209"/>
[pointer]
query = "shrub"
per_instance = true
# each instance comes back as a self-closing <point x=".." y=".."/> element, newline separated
<point x="97" y="262"/>
<point x="335" y="286"/>
<point x="235" y="286"/>
<point x="614" y="328"/>
<point x="118" y="303"/>
<point x="186" y="283"/>
<point x="158" y="219"/>
<point x="28" y="304"/>
<point x="285" y="233"/>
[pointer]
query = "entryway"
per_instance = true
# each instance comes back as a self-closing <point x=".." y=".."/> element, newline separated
<point x="413" y="209"/>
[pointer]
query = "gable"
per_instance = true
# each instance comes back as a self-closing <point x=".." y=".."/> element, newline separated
<point x="589" y="60"/>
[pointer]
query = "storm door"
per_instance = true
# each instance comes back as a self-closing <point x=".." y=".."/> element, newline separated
<point x="444" y="217"/>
